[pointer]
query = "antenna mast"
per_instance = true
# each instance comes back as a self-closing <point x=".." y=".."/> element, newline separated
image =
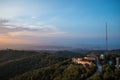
<point x="106" y="39"/>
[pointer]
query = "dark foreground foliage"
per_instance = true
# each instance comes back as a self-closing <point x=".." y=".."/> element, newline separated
<point x="60" y="71"/>
<point x="13" y="62"/>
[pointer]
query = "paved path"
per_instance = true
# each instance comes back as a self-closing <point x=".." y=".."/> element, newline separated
<point x="99" y="70"/>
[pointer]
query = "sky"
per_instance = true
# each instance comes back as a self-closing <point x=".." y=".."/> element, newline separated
<point x="75" y="23"/>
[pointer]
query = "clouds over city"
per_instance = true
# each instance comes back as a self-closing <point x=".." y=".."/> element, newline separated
<point x="22" y="32"/>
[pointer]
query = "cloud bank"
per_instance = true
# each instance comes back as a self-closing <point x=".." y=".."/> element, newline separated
<point x="16" y="33"/>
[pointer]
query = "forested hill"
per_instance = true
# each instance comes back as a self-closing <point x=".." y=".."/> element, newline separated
<point x="13" y="62"/>
<point x="61" y="71"/>
<point x="32" y="65"/>
<point x="16" y="62"/>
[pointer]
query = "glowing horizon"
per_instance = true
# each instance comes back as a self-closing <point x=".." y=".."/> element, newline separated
<point x="67" y="23"/>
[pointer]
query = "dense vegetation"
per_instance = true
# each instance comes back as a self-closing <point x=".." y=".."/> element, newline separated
<point x="13" y="63"/>
<point x="42" y="65"/>
<point x="60" y="71"/>
<point x="108" y="70"/>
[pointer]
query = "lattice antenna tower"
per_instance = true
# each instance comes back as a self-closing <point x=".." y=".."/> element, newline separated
<point x="106" y="38"/>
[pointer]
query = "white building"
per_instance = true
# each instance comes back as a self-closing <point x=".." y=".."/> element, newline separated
<point x="102" y="56"/>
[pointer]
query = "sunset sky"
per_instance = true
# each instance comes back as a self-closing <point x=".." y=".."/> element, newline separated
<point x="78" y="23"/>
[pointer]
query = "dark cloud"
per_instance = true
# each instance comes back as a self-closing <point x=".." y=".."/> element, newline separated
<point x="2" y="21"/>
<point x="6" y="27"/>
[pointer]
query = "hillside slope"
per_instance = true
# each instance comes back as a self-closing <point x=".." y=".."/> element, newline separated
<point x="13" y="63"/>
<point x="61" y="71"/>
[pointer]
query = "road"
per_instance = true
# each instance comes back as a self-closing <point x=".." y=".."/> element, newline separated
<point x="99" y="70"/>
